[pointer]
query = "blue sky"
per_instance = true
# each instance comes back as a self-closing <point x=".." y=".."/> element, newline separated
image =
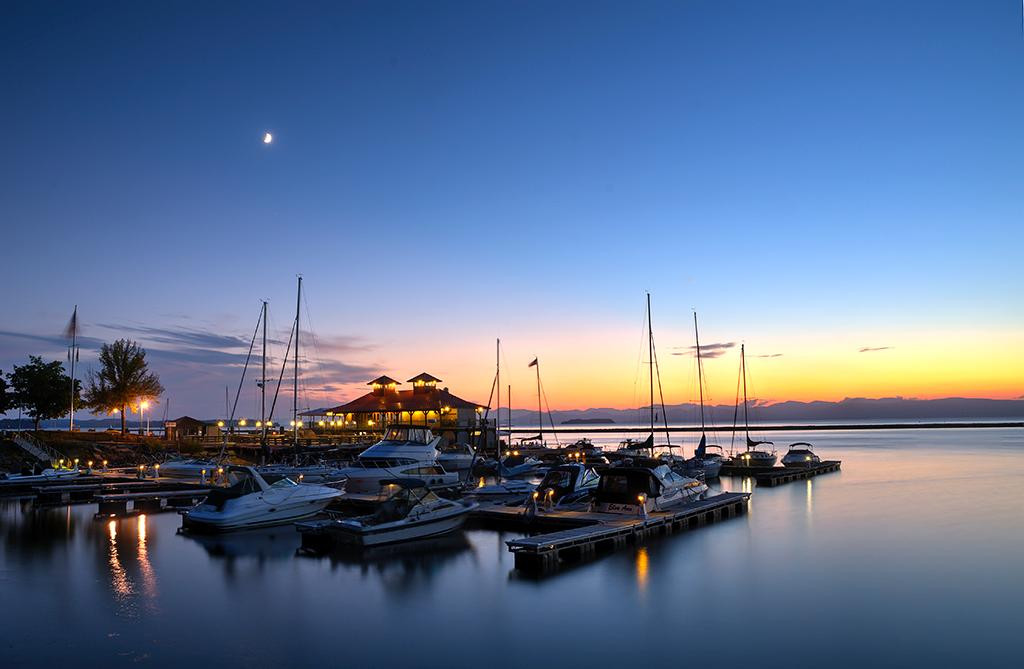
<point x="789" y="167"/>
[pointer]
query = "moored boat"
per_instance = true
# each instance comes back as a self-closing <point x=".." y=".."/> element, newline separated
<point x="645" y="489"/>
<point x="249" y="501"/>
<point x="406" y="451"/>
<point x="408" y="511"/>
<point x="800" y="454"/>
<point x="753" y="457"/>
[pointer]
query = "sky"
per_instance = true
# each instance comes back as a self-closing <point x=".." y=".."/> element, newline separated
<point x="839" y="186"/>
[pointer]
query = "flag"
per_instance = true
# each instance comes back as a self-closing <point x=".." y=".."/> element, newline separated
<point x="72" y="329"/>
<point x="533" y="364"/>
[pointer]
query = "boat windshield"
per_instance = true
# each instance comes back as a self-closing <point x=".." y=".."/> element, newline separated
<point x="557" y="478"/>
<point x="383" y="463"/>
<point x="284" y="483"/>
<point x="415" y="435"/>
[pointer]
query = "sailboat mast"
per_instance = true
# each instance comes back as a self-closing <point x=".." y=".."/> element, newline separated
<point x="700" y="372"/>
<point x="540" y="412"/>
<point x="510" y="411"/>
<point x="743" y="366"/>
<point x="263" y="380"/>
<point x="295" y="383"/>
<point x="497" y="415"/>
<point x="650" y="357"/>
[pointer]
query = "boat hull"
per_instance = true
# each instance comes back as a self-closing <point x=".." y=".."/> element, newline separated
<point x="398" y="531"/>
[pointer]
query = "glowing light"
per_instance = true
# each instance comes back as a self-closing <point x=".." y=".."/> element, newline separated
<point x="242" y="422"/>
<point x="144" y="404"/>
<point x="267" y="138"/>
<point x="220" y="423"/>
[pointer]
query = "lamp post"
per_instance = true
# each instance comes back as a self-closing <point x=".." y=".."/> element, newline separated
<point x="143" y="405"/>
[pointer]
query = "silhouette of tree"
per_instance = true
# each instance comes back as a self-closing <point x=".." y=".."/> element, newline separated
<point x="123" y="382"/>
<point x="41" y="389"/>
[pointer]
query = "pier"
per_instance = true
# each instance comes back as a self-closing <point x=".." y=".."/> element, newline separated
<point x="773" y="476"/>
<point x="598" y="534"/>
<point x="116" y="504"/>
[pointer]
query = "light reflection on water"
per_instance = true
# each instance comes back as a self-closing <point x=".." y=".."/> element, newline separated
<point x="911" y="553"/>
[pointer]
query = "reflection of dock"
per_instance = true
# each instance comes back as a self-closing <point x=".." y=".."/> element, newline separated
<point x="773" y="476"/>
<point x="596" y="534"/>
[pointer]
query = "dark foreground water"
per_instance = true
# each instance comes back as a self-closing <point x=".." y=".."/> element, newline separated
<point x="913" y="555"/>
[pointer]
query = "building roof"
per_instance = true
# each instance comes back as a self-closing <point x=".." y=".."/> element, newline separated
<point x="404" y="400"/>
<point x="186" y="420"/>
<point x="383" y="381"/>
<point x="426" y="378"/>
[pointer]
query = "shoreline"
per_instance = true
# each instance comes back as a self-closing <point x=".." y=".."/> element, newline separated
<point x="771" y="428"/>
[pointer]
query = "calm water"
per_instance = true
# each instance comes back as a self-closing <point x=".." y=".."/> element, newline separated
<point x="913" y="555"/>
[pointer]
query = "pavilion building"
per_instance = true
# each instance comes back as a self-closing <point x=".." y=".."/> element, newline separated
<point x="425" y="404"/>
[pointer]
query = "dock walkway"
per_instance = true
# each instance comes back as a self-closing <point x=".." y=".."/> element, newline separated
<point x="601" y="533"/>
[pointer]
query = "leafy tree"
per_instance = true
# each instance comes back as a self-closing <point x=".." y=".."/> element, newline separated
<point x="42" y="390"/>
<point x="123" y="382"/>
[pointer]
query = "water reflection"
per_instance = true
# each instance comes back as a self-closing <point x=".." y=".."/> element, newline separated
<point x="810" y="500"/>
<point x="119" y="581"/>
<point x="641" y="568"/>
<point x="403" y="567"/>
<point x="145" y="568"/>
<point x="262" y="545"/>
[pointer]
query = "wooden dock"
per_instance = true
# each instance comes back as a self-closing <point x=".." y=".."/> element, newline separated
<point x="152" y="501"/>
<point x="597" y="534"/>
<point x="773" y="476"/>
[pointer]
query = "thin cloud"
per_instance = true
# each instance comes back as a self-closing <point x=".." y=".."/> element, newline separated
<point x="708" y="350"/>
<point x="770" y="355"/>
<point x="870" y="349"/>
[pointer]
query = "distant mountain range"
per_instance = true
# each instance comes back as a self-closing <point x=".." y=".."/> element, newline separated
<point x="850" y="409"/>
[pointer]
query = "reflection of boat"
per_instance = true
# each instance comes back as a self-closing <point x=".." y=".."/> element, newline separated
<point x="634" y="490"/>
<point x="405" y="451"/>
<point x="276" y="543"/>
<point x="409" y="510"/>
<point x="800" y="455"/>
<point x="752" y="457"/>
<point x="456" y="457"/>
<point x="251" y="502"/>
<point x="40" y="475"/>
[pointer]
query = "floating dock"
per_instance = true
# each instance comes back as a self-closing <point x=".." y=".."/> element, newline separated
<point x="773" y="476"/>
<point x="598" y="534"/>
<point x="152" y="501"/>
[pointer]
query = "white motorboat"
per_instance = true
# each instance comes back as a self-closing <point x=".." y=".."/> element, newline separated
<point x="703" y="464"/>
<point x="800" y="454"/>
<point x="456" y="457"/>
<point x="406" y="451"/>
<point x="645" y="489"/>
<point x="502" y="492"/>
<point x="514" y="464"/>
<point x="40" y="475"/>
<point x="187" y="469"/>
<point x="318" y="474"/>
<point x="249" y="501"/>
<point x="409" y="511"/>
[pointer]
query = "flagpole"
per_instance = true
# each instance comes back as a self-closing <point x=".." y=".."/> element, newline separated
<point x="72" y="354"/>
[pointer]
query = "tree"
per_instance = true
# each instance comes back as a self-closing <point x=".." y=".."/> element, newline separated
<point x="42" y="390"/>
<point x="5" y="398"/>
<point x="123" y="382"/>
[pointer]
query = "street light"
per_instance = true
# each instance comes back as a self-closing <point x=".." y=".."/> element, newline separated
<point x="143" y="405"/>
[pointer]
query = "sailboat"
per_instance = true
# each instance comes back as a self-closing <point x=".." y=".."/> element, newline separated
<point x="752" y="457"/>
<point x="702" y="462"/>
<point x="632" y="448"/>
